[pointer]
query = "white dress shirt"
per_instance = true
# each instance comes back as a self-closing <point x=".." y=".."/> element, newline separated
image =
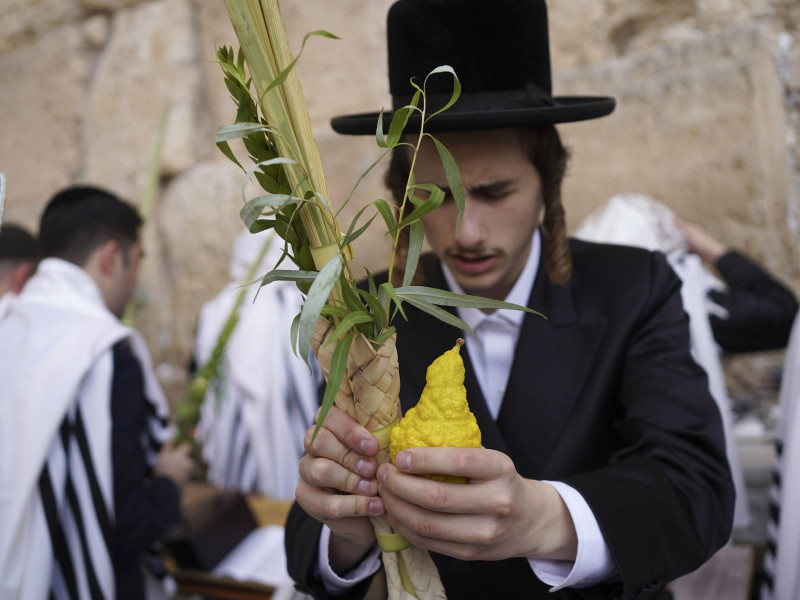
<point x="491" y="352"/>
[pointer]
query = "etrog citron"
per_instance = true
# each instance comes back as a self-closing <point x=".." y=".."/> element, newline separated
<point x="442" y="416"/>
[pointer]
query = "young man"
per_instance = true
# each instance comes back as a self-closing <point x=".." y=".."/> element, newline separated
<point x="603" y="472"/>
<point x="19" y="254"/>
<point x="89" y="480"/>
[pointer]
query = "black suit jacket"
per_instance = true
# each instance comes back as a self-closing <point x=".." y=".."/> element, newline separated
<point x="603" y="395"/>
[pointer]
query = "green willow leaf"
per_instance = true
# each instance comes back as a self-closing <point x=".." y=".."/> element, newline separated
<point x="348" y="322"/>
<point x="456" y="88"/>
<point x="415" y="239"/>
<point x="225" y="148"/>
<point x="354" y="235"/>
<point x="386" y="291"/>
<point x="288" y="275"/>
<point x="264" y="163"/>
<point x="317" y="297"/>
<point x="239" y="130"/>
<point x="335" y="377"/>
<point x="453" y="178"/>
<point x="386" y="212"/>
<point x="440" y="313"/>
<point x="374" y="306"/>
<point x="384" y="335"/>
<point x="435" y="199"/>
<point x="281" y="77"/>
<point x="252" y="210"/>
<point x="446" y="298"/>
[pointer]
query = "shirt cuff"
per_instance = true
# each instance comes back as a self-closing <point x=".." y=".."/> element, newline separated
<point x="333" y="583"/>
<point x="593" y="562"/>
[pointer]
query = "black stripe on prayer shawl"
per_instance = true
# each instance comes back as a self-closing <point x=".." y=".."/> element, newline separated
<point x="773" y="531"/>
<point x="97" y="497"/>
<point x="57" y="537"/>
<point x="72" y="498"/>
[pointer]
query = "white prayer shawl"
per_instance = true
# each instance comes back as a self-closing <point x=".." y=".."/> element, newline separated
<point x="5" y="303"/>
<point x="56" y="367"/>
<point x="256" y="412"/>
<point x="635" y="220"/>
<point x="786" y="567"/>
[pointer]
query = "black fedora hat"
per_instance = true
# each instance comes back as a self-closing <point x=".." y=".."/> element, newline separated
<point x="499" y="50"/>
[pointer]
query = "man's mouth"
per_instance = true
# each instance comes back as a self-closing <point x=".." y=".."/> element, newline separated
<point x="472" y="264"/>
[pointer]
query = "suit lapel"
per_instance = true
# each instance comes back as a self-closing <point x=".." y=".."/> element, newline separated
<point x="551" y="362"/>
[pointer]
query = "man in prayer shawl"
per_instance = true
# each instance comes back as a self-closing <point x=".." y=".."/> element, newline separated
<point x="262" y="400"/>
<point x="89" y="480"/>
<point x="19" y="254"/>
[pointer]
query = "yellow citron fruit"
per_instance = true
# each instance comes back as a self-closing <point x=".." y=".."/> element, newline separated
<point x="442" y="416"/>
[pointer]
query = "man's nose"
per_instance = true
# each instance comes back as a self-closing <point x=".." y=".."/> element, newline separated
<point x="472" y="230"/>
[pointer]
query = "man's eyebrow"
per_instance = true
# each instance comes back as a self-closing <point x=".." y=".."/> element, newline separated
<point x="491" y="187"/>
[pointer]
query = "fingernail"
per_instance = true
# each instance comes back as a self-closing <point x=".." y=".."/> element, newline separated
<point x="364" y="486"/>
<point x="363" y="468"/>
<point x="403" y="460"/>
<point x="364" y="446"/>
<point x="382" y="472"/>
<point x="375" y="507"/>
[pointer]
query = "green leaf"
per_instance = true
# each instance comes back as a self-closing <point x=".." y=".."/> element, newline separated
<point x="288" y="275"/>
<point x="375" y="307"/>
<point x="316" y="299"/>
<point x="351" y="299"/>
<point x="386" y="291"/>
<point x="384" y="335"/>
<point x="347" y="323"/>
<point x="353" y="236"/>
<point x="226" y="150"/>
<point x="434" y="200"/>
<point x="386" y="212"/>
<point x="456" y="88"/>
<point x="252" y="210"/>
<point x="264" y="163"/>
<point x="439" y="313"/>
<point x="399" y="121"/>
<point x="262" y="225"/>
<point x="447" y="298"/>
<point x="281" y="77"/>
<point x="238" y="130"/>
<point x="453" y="178"/>
<point x="360" y="179"/>
<point x="416" y="238"/>
<point x="335" y="377"/>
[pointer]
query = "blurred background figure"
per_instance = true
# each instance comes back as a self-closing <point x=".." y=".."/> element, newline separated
<point x="263" y="398"/>
<point x="781" y="576"/>
<point x="90" y="479"/>
<point x="19" y="255"/>
<point x="758" y="310"/>
<point x="750" y="311"/>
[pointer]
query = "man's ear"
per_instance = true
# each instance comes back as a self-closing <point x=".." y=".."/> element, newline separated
<point x="108" y="254"/>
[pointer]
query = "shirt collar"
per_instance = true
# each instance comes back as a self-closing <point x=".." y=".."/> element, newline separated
<point x="519" y="294"/>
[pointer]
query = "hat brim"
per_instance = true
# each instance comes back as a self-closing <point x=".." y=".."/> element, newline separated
<point x="565" y="109"/>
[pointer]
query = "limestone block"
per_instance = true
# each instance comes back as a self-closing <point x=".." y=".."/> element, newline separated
<point x="108" y="5"/>
<point x="42" y="92"/>
<point x="190" y="236"/>
<point x="150" y="67"/>
<point x="702" y="127"/>
<point x="21" y="21"/>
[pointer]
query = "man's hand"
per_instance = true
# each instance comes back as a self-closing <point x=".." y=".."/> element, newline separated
<point x="497" y="515"/>
<point x="338" y="486"/>
<point x="701" y="242"/>
<point x="175" y="463"/>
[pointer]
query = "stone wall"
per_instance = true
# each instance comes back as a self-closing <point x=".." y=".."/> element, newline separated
<point x="707" y="121"/>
